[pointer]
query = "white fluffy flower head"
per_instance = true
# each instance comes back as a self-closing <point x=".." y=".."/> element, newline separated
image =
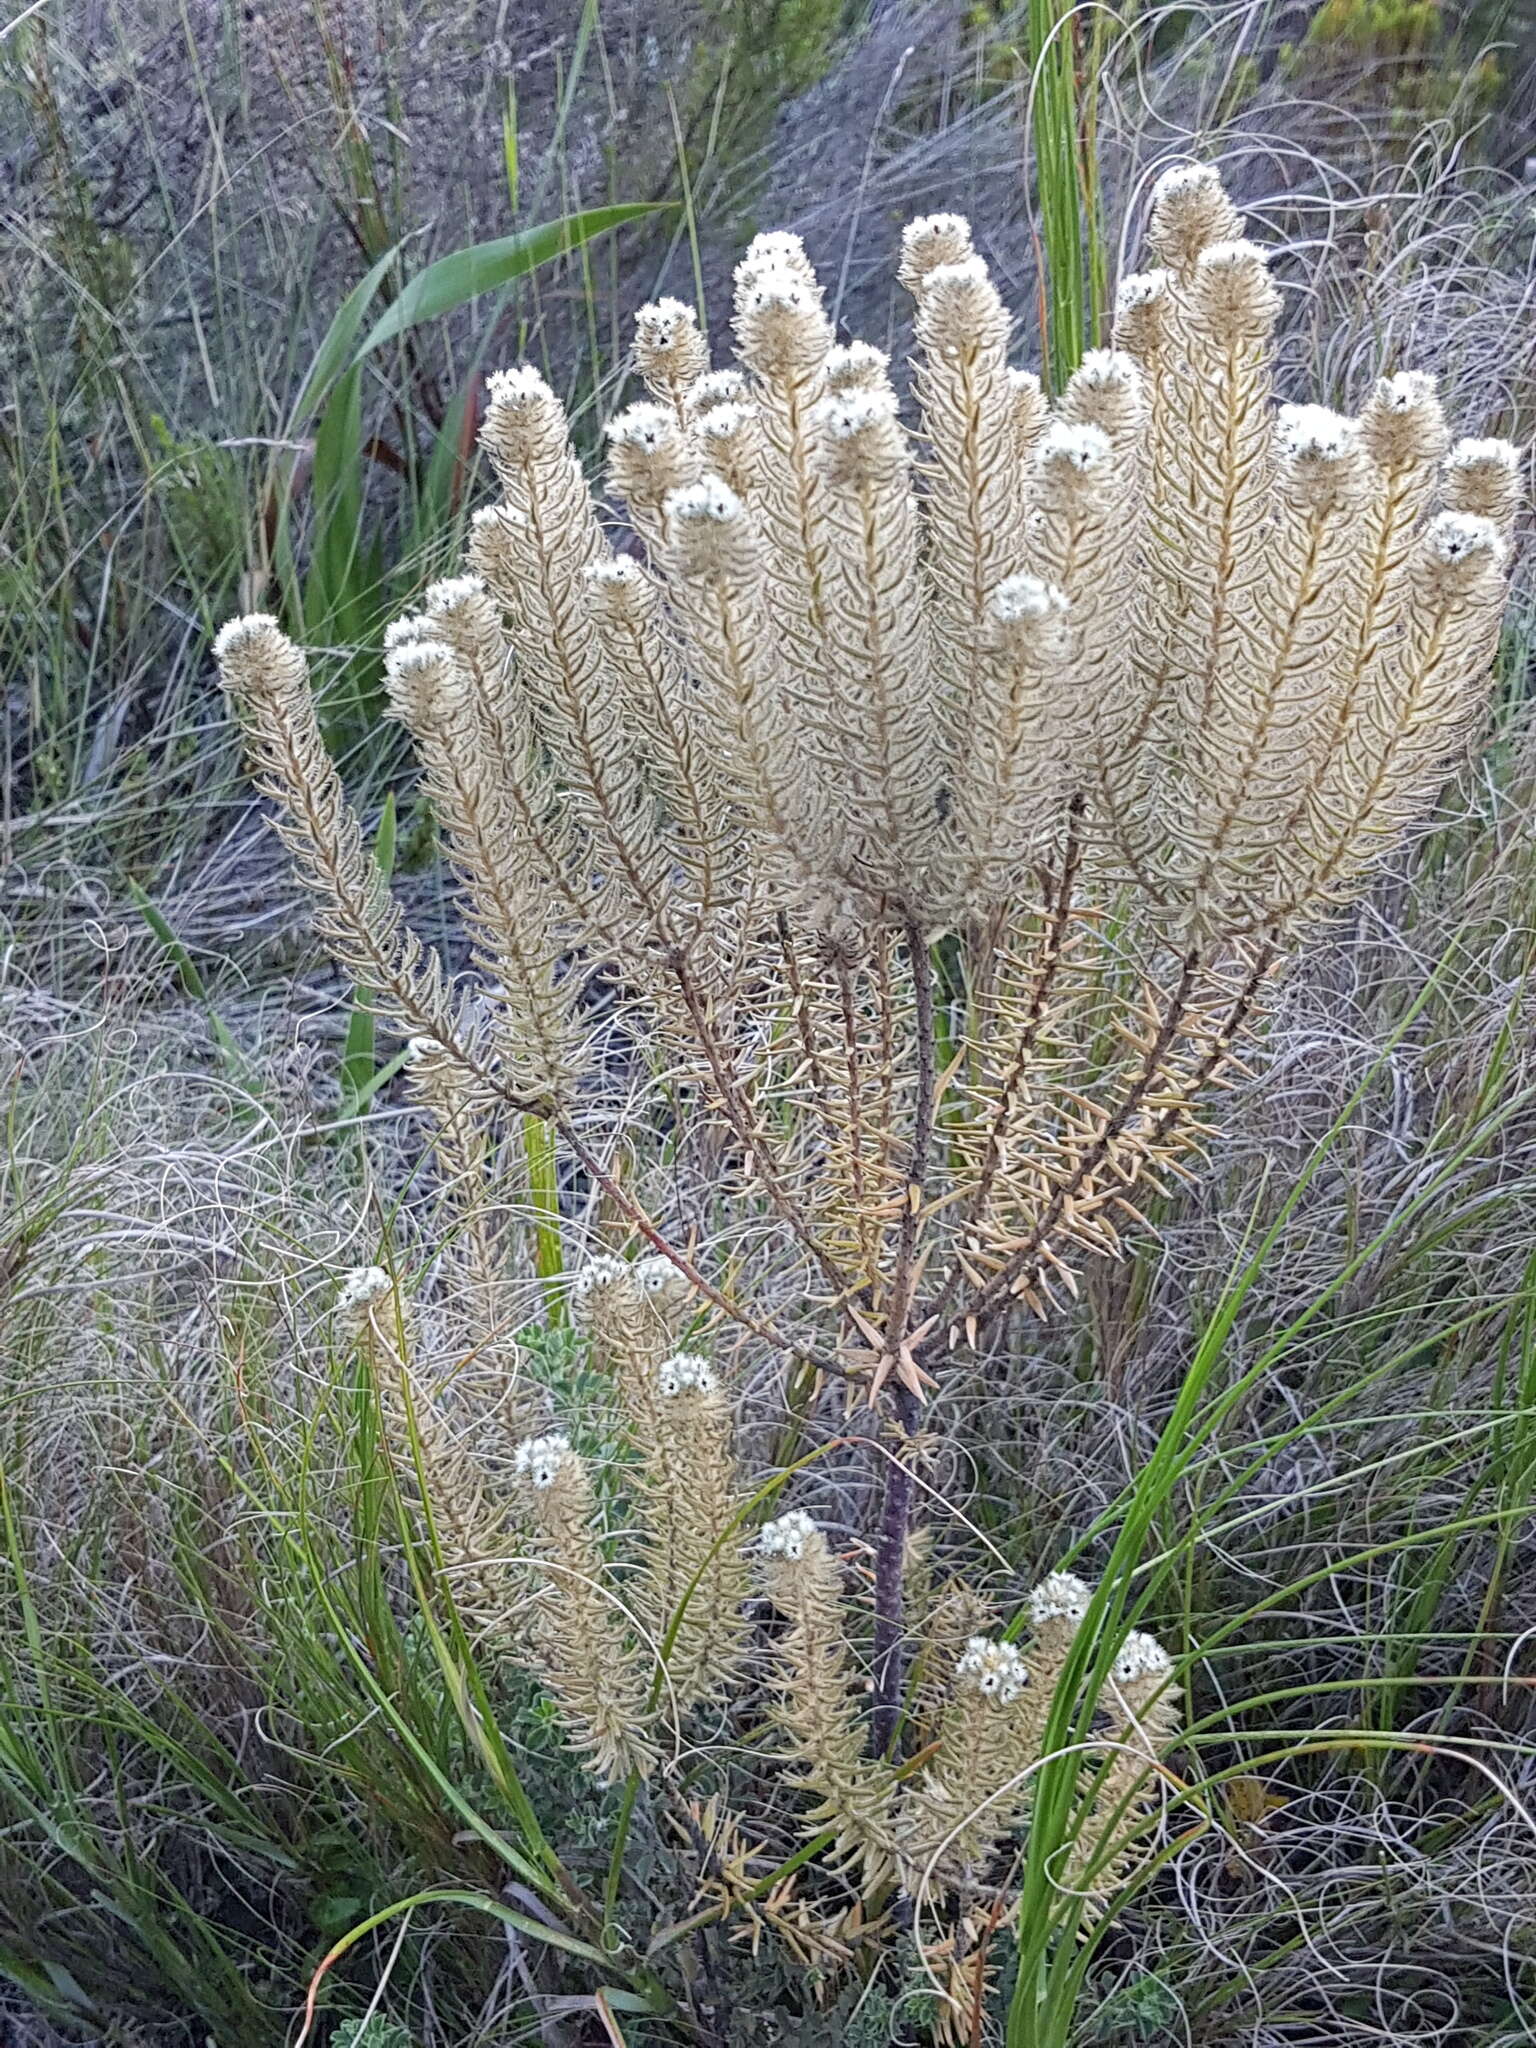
<point x="934" y="240"/>
<point x="1107" y="369"/>
<point x="364" y="1284"/>
<point x="540" y="1459"/>
<point x="617" y="572"/>
<point x="650" y="428"/>
<point x="684" y="1373"/>
<point x="1184" y="179"/>
<point x="856" y="364"/>
<point x="594" y="1279"/>
<point x="1023" y="598"/>
<point x="1406" y="391"/>
<point x="660" y="323"/>
<point x="450" y="592"/>
<point x="1060" y="1596"/>
<point x="725" y="420"/>
<point x="709" y="502"/>
<point x="1454" y="537"/>
<point x="849" y="413"/>
<point x="993" y="1668"/>
<point x="716" y="387"/>
<point x="1315" y="433"/>
<point x="1141" y="1657"/>
<point x="788" y="1536"/>
<point x="776" y="250"/>
<point x="236" y="635"/>
<point x="1489" y="454"/>
<point x="1141" y="288"/>
<point x="1074" y="445"/>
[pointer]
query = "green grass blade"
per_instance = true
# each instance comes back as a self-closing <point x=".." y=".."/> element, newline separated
<point x="453" y="280"/>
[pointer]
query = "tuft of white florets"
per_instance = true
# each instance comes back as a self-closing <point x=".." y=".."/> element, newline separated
<point x="597" y="1274"/>
<point x="1104" y="369"/>
<point x="993" y="1668"/>
<point x="856" y="365"/>
<point x="1140" y="1657"/>
<point x="849" y="413"/>
<point x="1060" y="1596"/>
<point x="1024" y="597"/>
<point x="723" y="421"/>
<point x="660" y="323"/>
<point x="237" y="635"/>
<point x="1405" y="391"/>
<point x="449" y="592"/>
<point x="1076" y="445"/>
<point x="1184" y="179"/>
<point x="364" y="1284"/>
<point x="1315" y="433"/>
<point x="710" y="501"/>
<point x="776" y="250"/>
<point x="520" y="396"/>
<point x="684" y="1373"/>
<point x="1453" y="537"/>
<point x="647" y="427"/>
<point x="1489" y="454"/>
<point x="715" y="387"/>
<point x="1141" y="288"/>
<point x="788" y="1536"/>
<point x="539" y="1459"/>
<point x="621" y="571"/>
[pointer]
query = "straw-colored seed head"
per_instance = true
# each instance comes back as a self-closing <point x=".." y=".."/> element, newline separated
<point x="1458" y="553"/>
<point x="1232" y="294"/>
<point x="1483" y="478"/>
<point x="960" y="309"/>
<point x="930" y="243"/>
<point x="994" y="1669"/>
<point x="730" y="443"/>
<point x="857" y="366"/>
<point x="712" y="537"/>
<point x="524" y="421"/>
<point x="1403" y="424"/>
<point x="780" y="328"/>
<point x="861" y="437"/>
<point x="257" y="660"/>
<point x="669" y="349"/>
<point x="1028" y="407"/>
<point x="618" y="588"/>
<point x="648" y="455"/>
<point x="660" y="1281"/>
<point x="1105" y="391"/>
<point x="1190" y="211"/>
<point x="425" y="683"/>
<point x="1141" y="313"/>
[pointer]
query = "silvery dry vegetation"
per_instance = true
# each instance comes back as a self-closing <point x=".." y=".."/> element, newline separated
<point x="269" y="1679"/>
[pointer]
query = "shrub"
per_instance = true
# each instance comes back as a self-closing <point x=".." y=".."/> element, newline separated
<point x="919" y="825"/>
